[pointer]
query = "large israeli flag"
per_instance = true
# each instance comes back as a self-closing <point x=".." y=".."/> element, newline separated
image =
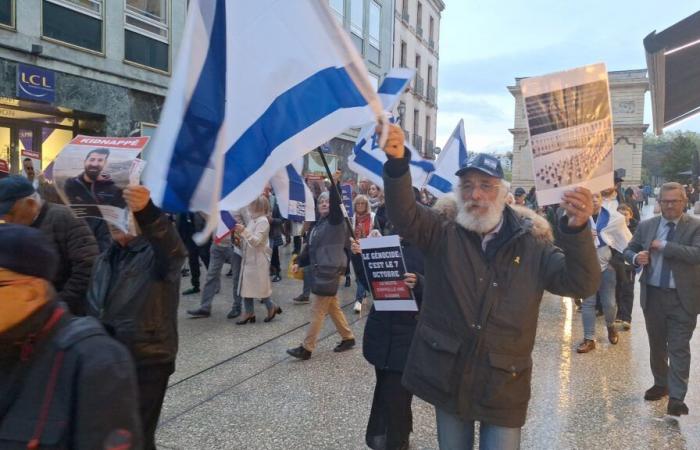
<point x="294" y="198"/>
<point x="257" y="85"/>
<point x="453" y="155"/>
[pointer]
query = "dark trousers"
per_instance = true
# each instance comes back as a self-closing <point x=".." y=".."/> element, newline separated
<point x="194" y="254"/>
<point x="670" y="328"/>
<point x="624" y="289"/>
<point x="297" y="245"/>
<point x="153" y="381"/>
<point x="391" y="419"/>
<point x="275" y="260"/>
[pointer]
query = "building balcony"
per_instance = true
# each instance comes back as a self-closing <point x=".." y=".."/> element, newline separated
<point x="419" y="30"/>
<point x="429" y="149"/>
<point x="418" y="86"/>
<point x="431" y="44"/>
<point x="418" y="143"/>
<point x="404" y="16"/>
<point x="431" y="95"/>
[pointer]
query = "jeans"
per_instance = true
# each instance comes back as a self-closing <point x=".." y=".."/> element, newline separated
<point x="249" y="305"/>
<point x="360" y="293"/>
<point x="218" y="255"/>
<point x="607" y="300"/>
<point x="454" y="434"/>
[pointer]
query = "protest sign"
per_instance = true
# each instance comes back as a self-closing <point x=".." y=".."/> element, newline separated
<point x="91" y="173"/>
<point x="384" y="266"/>
<point x="346" y="192"/>
<point x="570" y="128"/>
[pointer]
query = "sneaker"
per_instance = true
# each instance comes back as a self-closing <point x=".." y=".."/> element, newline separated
<point x="235" y="312"/>
<point x="586" y="346"/>
<point x="343" y="345"/>
<point x="300" y="299"/>
<point x="358" y="307"/>
<point x="191" y="291"/>
<point x="299" y="352"/>
<point x="198" y="313"/>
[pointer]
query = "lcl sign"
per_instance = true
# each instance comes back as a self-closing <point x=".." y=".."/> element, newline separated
<point x="35" y="83"/>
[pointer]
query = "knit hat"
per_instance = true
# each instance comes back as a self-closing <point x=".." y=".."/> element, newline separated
<point x="27" y="251"/>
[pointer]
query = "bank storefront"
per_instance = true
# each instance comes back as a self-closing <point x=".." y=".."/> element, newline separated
<point x="42" y="110"/>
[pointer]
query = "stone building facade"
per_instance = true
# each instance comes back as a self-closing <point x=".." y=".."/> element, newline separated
<point x="416" y="45"/>
<point x="627" y="90"/>
<point x="91" y="67"/>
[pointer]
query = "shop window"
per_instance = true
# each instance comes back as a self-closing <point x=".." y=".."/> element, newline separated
<point x="147" y="33"/>
<point x="75" y="22"/>
<point x="7" y="16"/>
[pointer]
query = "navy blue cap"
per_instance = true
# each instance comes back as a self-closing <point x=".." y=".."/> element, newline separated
<point x="27" y="251"/>
<point x="12" y="189"/>
<point x="520" y="191"/>
<point x="488" y="164"/>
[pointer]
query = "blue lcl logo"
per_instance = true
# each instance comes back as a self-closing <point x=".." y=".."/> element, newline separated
<point x="35" y="83"/>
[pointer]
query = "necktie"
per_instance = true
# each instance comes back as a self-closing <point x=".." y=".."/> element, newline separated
<point x="665" y="280"/>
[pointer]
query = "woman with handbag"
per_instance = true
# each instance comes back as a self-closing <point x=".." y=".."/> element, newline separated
<point x="324" y="254"/>
<point x="254" y="280"/>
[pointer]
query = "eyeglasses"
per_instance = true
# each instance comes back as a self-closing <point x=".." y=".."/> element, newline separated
<point x="468" y="188"/>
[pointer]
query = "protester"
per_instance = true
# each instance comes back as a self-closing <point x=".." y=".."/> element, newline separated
<point x="376" y="197"/>
<point x="362" y="223"/>
<point x="220" y="252"/>
<point x="531" y="199"/>
<point x="189" y="224"/>
<point x="609" y="232"/>
<point x="668" y="249"/>
<point x="134" y="291"/>
<point x="64" y="383"/>
<point x="471" y="357"/>
<point x="520" y="196"/>
<point x="276" y="222"/>
<point x="624" y="289"/>
<point x="325" y="256"/>
<point x="255" y="266"/>
<point x="385" y="344"/>
<point x="21" y="204"/>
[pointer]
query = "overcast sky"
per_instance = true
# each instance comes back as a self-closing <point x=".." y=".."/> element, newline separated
<point x="485" y="44"/>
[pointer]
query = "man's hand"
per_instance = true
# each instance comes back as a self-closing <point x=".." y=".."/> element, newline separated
<point x="578" y="205"/>
<point x="238" y="228"/>
<point x="394" y="143"/>
<point x="642" y="258"/>
<point x="410" y="279"/>
<point x="136" y="197"/>
<point x="656" y="245"/>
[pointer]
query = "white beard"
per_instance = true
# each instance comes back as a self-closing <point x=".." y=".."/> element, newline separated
<point x="479" y="223"/>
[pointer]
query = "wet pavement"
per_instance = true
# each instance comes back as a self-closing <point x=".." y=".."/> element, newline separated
<point x="235" y="387"/>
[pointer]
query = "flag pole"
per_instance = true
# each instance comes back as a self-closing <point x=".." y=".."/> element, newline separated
<point x="335" y="187"/>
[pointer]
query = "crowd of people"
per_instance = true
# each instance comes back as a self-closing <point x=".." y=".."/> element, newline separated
<point x="95" y="325"/>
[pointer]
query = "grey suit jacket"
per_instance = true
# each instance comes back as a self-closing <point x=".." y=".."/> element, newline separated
<point x="682" y="253"/>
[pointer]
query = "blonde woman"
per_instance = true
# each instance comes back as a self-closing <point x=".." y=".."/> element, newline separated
<point x="255" y="267"/>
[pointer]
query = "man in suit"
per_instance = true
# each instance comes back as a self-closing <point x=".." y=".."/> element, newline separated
<point x="668" y="247"/>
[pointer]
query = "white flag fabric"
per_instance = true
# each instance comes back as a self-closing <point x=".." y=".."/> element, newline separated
<point x="294" y="198"/>
<point x="452" y="157"/>
<point x="367" y="159"/>
<point x="257" y="85"/>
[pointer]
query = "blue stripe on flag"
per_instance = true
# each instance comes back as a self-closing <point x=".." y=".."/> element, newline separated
<point x="424" y="165"/>
<point x="440" y="184"/>
<point x="200" y="126"/>
<point x="228" y="219"/>
<point x="296" y="185"/>
<point x="297" y="109"/>
<point x="392" y="86"/>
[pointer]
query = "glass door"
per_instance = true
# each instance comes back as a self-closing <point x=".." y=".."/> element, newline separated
<point x="9" y="160"/>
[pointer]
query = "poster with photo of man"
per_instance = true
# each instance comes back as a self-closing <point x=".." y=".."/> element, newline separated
<point x="571" y="135"/>
<point x="90" y="174"/>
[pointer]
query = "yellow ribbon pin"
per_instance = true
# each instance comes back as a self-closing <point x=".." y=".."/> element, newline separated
<point x="517" y="260"/>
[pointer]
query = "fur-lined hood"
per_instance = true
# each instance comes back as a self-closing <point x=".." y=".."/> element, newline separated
<point x="539" y="226"/>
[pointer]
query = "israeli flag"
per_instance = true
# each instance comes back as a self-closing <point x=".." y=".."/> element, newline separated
<point x="394" y="85"/>
<point x="225" y="226"/>
<point x="256" y="86"/>
<point x="294" y="198"/>
<point x="452" y="157"/>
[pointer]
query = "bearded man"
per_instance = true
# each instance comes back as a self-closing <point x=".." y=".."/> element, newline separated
<point x="93" y="186"/>
<point x="485" y="276"/>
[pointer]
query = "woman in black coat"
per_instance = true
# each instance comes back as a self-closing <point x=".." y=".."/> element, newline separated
<point x="387" y="339"/>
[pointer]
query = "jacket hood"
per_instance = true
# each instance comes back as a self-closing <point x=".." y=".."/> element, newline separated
<point x="537" y="225"/>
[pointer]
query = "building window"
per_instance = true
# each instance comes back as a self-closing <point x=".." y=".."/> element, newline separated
<point x="357" y="16"/>
<point x="419" y="20"/>
<point x="375" y="17"/>
<point x="404" y="55"/>
<point x="338" y="8"/>
<point x="146" y="38"/>
<point x="75" y="22"/>
<point x="431" y="32"/>
<point x="7" y="16"/>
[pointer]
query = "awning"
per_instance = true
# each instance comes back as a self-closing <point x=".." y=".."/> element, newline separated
<point x="673" y="60"/>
